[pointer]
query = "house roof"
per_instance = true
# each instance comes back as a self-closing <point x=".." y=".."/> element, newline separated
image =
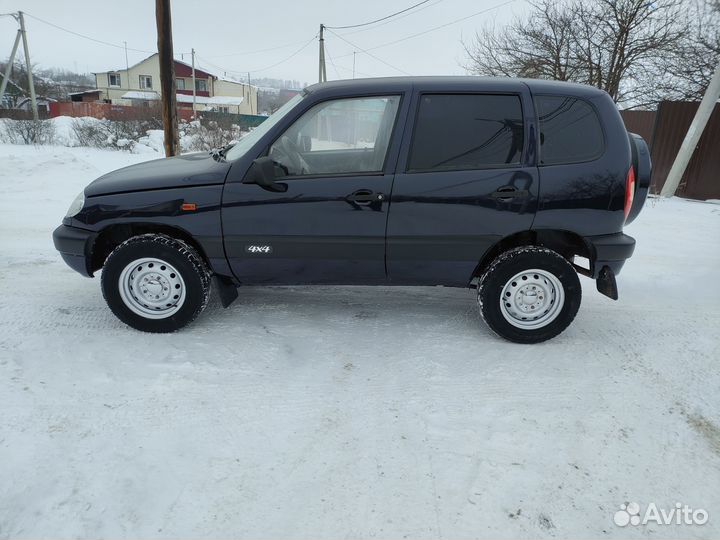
<point x="11" y="82"/>
<point x="224" y="78"/>
<point x="215" y="100"/>
<point x="95" y="91"/>
<point x="148" y="58"/>
<point x="225" y="100"/>
<point x="136" y="94"/>
<point x="23" y="101"/>
<point x="185" y="98"/>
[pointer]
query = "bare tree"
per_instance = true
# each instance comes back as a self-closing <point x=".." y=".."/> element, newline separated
<point x="538" y="46"/>
<point x="688" y="71"/>
<point x="619" y="46"/>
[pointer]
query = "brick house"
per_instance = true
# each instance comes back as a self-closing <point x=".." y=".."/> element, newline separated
<point x="140" y="85"/>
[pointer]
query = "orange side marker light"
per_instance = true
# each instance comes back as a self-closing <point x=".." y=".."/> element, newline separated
<point x="188" y="207"/>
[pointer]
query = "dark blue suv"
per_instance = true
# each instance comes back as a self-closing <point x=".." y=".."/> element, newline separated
<point x="509" y="186"/>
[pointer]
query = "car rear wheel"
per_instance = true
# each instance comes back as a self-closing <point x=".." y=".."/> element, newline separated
<point x="155" y="283"/>
<point x="529" y="294"/>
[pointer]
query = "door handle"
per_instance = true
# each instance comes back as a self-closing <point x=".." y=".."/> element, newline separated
<point x="509" y="192"/>
<point x="366" y="196"/>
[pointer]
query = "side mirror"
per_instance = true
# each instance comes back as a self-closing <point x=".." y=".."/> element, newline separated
<point x="262" y="173"/>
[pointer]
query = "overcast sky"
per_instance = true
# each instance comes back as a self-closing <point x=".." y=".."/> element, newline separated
<point x="222" y="30"/>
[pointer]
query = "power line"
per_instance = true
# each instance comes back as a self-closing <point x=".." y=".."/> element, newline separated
<point x="418" y="34"/>
<point x="380" y="19"/>
<point x="286" y="59"/>
<point x="87" y="37"/>
<point x="256" y="51"/>
<point x="266" y="67"/>
<point x="333" y="63"/>
<point x="360" y="49"/>
<point x="345" y="68"/>
<point x="434" y="3"/>
<point x="350" y="70"/>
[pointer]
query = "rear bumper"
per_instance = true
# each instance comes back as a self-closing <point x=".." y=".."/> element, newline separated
<point x="610" y="250"/>
<point x="75" y="247"/>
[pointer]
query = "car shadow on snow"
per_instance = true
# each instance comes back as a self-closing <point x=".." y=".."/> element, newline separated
<point x="425" y="309"/>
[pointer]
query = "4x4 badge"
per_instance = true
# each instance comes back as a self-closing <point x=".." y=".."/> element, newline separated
<point x="258" y="249"/>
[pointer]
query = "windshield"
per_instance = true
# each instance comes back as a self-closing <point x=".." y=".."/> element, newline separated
<point x="244" y="144"/>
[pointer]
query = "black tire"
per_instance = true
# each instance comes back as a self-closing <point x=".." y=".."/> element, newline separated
<point x="189" y="265"/>
<point x="499" y="275"/>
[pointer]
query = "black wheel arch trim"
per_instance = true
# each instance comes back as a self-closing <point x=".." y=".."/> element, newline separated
<point x="605" y="250"/>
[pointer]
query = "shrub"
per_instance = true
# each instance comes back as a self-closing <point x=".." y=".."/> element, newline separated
<point x="123" y="134"/>
<point x="29" y="131"/>
<point x="90" y="132"/>
<point x="201" y="136"/>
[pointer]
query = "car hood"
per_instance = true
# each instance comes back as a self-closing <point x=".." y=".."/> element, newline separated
<point x="199" y="169"/>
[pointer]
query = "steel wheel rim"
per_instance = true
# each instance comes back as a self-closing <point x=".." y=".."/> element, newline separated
<point x="152" y="288"/>
<point x="532" y="299"/>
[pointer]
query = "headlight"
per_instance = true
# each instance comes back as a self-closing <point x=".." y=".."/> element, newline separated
<point x="76" y="205"/>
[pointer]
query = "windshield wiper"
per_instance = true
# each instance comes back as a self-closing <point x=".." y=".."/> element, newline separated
<point x="219" y="153"/>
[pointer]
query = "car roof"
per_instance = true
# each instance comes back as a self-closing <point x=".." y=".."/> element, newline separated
<point x="456" y="83"/>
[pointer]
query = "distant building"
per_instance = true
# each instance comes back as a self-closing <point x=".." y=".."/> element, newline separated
<point x="43" y="104"/>
<point x="140" y="85"/>
<point x="86" y="95"/>
<point x="13" y="93"/>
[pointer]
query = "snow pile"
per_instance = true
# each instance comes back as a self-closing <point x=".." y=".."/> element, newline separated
<point x="64" y="133"/>
<point x="152" y="141"/>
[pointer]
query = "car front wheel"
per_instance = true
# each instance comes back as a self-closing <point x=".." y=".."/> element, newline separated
<point x="529" y="294"/>
<point x="155" y="283"/>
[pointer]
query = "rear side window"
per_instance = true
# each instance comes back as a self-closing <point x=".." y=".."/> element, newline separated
<point x="466" y="131"/>
<point x="570" y="130"/>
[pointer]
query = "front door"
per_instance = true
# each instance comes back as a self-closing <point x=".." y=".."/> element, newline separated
<point x="329" y="226"/>
<point x="466" y="179"/>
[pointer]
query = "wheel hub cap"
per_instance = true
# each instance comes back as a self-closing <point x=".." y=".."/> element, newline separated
<point x="152" y="288"/>
<point x="532" y="299"/>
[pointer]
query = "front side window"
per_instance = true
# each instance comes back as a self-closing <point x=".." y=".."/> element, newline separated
<point x="245" y="143"/>
<point x="200" y="85"/>
<point x="341" y="136"/>
<point x="570" y="130"/>
<point x="145" y="81"/>
<point x="113" y="79"/>
<point x="466" y="131"/>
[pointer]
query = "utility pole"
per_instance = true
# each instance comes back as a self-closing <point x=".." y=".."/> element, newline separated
<point x="354" y="53"/>
<point x="127" y="67"/>
<point x="322" y="74"/>
<point x="33" y="99"/>
<point x="167" y="76"/>
<point x="193" y="79"/>
<point x="8" y="68"/>
<point x="707" y="105"/>
<point x="21" y="34"/>
<point x="250" y="94"/>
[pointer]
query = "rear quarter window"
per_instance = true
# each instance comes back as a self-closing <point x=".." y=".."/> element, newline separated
<point x="466" y="131"/>
<point x="570" y="130"/>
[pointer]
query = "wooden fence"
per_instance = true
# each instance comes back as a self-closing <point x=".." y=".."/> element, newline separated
<point x="664" y="131"/>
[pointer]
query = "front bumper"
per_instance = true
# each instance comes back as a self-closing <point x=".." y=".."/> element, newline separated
<point x="75" y="247"/>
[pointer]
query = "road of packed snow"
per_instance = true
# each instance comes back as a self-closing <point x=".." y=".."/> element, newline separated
<point x="338" y="412"/>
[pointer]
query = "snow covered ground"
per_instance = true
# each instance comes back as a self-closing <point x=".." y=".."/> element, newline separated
<point x="348" y="411"/>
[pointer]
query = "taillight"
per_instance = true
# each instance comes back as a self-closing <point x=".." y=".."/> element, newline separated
<point x="629" y="191"/>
